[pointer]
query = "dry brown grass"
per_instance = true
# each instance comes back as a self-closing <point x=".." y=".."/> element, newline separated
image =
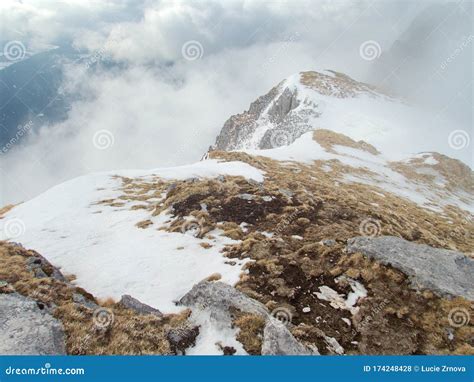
<point x="250" y="333"/>
<point x="456" y="174"/>
<point x="327" y="139"/>
<point x="5" y="209"/>
<point x="129" y="333"/>
<point x="307" y="201"/>
<point x="144" y="224"/>
<point x="214" y="277"/>
<point x="341" y="85"/>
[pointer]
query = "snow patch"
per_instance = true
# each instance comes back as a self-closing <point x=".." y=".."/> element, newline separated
<point x="108" y="254"/>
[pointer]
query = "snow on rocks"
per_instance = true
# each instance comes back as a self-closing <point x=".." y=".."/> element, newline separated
<point x="328" y="100"/>
<point x="212" y="304"/>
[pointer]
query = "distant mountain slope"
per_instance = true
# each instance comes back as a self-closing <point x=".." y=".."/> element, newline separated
<point x="30" y="93"/>
<point x="311" y="100"/>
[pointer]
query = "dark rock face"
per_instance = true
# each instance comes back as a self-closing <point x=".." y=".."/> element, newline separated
<point x="275" y="108"/>
<point x="132" y="303"/>
<point x="25" y="329"/>
<point x="82" y="300"/>
<point x="43" y="268"/>
<point x="443" y="271"/>
<point x="241" y="126"/>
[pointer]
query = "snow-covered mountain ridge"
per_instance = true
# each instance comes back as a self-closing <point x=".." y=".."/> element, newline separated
<point x="330" y="100"/>
<point x="278" y="227"/>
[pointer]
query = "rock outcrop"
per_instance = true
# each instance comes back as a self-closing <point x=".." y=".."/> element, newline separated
<point x="129" y="302"/>
<point x="443" y="271"/>
<point x="286" y="112"/>
<point x="277" y="340"/>
<point x="25" y="329"/>
<point x="219" y="300"/>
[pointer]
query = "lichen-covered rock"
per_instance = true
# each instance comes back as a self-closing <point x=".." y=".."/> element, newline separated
<point x="25" y="329"/>
<point x="443" y="271"/>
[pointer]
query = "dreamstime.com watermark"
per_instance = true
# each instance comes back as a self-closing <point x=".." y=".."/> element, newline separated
<point x="370" y="317"/>
<point x="44" y="370"/>
<point x="464" y="44"/>
<point x="21" y="130"/>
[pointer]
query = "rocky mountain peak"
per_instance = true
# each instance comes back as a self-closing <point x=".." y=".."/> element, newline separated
<point x="288" y="110"/>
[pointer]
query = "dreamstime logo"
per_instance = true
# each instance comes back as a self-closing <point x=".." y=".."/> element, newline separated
<point x="370" y="50"/>
<point x="280" y="137"/>
<point x="14" y="228"/>
<point x="283" y="315"/>
<point x="370" y="227"/>
<point x="103" y="318"/>
<point x="371" y="316"/>
<point x="192" y="227"/>
<point x="103" y="139"/>
<point x="458" y="139"/>
<point x="458" y="317"/>
<point x="192" y="50"/>
<point x="14" y="51"/>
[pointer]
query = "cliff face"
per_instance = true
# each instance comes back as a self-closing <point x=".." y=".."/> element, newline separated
<point x="290" y="109"/>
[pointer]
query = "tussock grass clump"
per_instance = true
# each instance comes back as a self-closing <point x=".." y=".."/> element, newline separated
<point x="5" y="209"/>
<point x="327" y="139"/>
<point x="250" y="333"/>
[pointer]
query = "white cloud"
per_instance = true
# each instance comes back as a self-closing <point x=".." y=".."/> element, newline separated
<point x="161" y="108"/>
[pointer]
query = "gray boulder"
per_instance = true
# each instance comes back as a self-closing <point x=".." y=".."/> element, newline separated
<point x="37" y="264"/>
<point x="129" y="302"/>
<point x="277" y="340"/>
<point x="220" y="299"/>
<point x="443" y="271"/>
<point x="25" y="329"/>
<point x="81" y="300"/>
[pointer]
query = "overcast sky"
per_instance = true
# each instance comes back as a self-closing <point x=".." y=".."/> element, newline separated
<point x="186" y="66"/>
